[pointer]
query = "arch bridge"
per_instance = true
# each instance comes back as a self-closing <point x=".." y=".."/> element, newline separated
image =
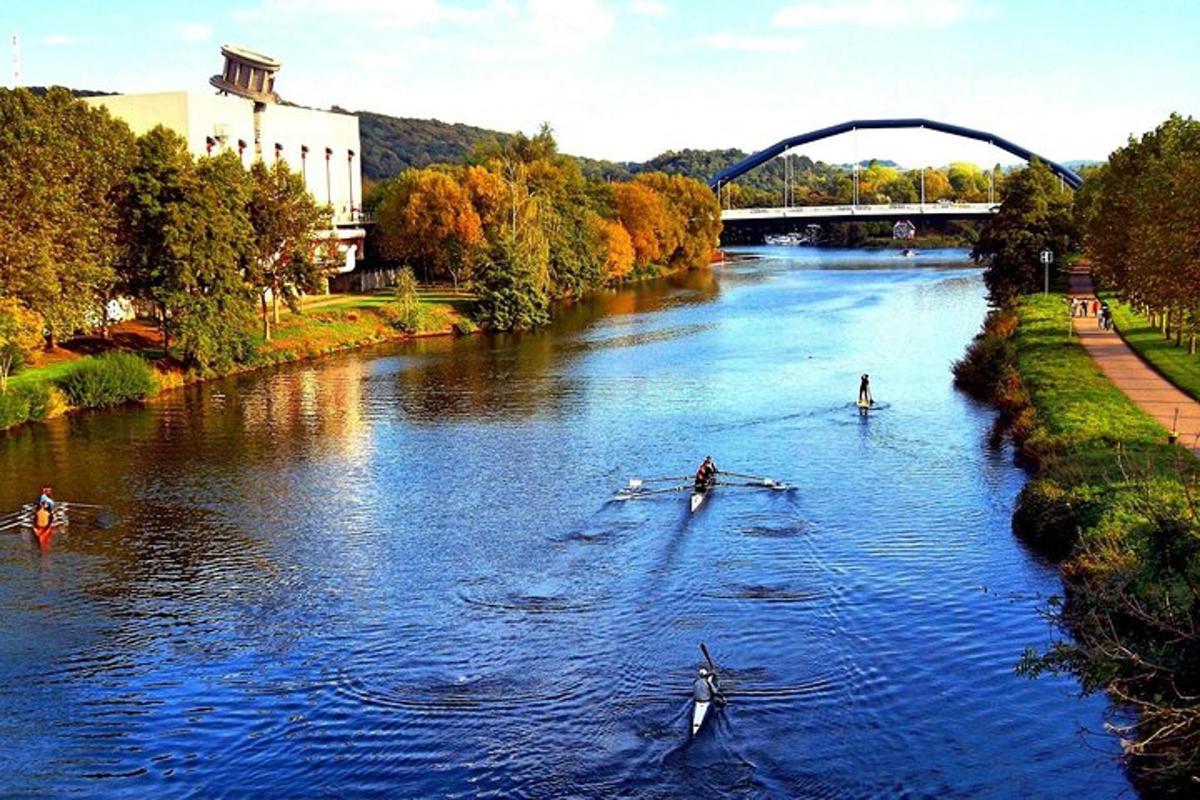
<point x="856" y="211"/>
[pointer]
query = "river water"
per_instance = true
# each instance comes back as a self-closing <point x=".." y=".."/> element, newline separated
<point x="399" y="572"/>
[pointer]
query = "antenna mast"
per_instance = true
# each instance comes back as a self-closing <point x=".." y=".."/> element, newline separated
<point x="16" y="42"/>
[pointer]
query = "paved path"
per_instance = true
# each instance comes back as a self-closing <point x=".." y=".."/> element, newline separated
<point x="1157" y="396"/>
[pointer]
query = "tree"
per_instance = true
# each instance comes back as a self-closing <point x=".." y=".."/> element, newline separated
<point x="512" y="285"/>
<point x="428" y="217"/>
<point x="20" y="333"/>
<point x="618" y="250"/>
<point x="643" y="214"/>
<point x="189" y="246"/>
<point x="285" y="221"/>
<point x="63" y="166"/>
<point x="695" y="219"/>
<point x="1035" y="215"/>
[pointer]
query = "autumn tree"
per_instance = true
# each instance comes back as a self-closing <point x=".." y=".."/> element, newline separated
<point x="427" y="218"/>
<point x="641" y="211"/>
<point x="694" y="215"/>
<point x="618" y="250"/>
<point x="285" y="222"/>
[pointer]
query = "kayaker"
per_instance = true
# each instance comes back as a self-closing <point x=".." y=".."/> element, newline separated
<point x="864" y="391"/>
<point x="707" y="472"/>
<point x="47" y="498"/>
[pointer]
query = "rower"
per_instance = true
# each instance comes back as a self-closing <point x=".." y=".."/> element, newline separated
<point x="707" y="687"/>
<point x="47" y="498"/>
<point x="864" y="391"/>
<point x="42" y="517"/>
<point x="706" y="474"/>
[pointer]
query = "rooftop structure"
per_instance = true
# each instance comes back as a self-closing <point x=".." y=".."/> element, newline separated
<point x="247" y="74"/>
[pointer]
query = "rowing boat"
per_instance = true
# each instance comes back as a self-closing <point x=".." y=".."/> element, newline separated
<point x="699" y="714"/>
<point x="700" y="707"/>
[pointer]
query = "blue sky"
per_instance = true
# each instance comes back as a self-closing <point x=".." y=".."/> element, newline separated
<point x="627" y="79"/>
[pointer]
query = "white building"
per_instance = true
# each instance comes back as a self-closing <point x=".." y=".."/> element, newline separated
<point x="247" y="118"/>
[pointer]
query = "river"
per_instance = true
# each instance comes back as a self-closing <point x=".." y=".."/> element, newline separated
<point x="398" y="572"/>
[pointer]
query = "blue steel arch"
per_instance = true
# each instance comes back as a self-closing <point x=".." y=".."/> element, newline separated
<point x="782" y="146"/>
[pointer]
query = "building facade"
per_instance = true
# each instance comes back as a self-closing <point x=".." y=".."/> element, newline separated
<point x="247" y="119"/>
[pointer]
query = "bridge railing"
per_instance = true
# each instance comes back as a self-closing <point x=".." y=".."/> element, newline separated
<point x="889" y="209"/>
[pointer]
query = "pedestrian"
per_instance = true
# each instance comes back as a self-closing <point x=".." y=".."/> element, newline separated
<point x="1096" y="306"/>
<point x="1083" y="306"/>
<point x="1074" y="305"/>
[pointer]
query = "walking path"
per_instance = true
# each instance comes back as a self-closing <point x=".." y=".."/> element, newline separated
<point x="1157" y="396"/>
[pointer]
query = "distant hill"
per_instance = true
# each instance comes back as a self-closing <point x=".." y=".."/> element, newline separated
<point x="393" y="144"/>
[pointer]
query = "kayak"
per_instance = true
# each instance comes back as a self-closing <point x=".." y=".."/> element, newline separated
<point x="699" y="714"/>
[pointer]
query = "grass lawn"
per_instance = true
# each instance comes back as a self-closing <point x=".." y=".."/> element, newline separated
<point x="48" y="373"/>
<point x="1081" y="410"/>
<point x="1173" y="362"/>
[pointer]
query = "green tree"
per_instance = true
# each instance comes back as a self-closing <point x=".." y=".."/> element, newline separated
<point x="285" y="221"/>
<point x="513" y="284"/>
<point x="63" y="167"/>
<point x="1036" y="214"/>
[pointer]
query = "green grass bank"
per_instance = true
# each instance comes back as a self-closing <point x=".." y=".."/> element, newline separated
<point x="1171" y="360"/>
<point x="1119" y="508"/>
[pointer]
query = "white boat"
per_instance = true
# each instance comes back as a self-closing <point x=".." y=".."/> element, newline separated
<point x="698" y="496"/>
<point x="699" y="714"/>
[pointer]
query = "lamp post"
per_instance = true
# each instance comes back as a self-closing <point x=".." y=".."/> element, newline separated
<point x="1047" y="258"/>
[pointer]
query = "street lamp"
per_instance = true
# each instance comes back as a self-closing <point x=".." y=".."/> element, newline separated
<point x="1047" y="258"/>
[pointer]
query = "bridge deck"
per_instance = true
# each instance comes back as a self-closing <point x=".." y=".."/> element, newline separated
<point x="890" y="211"/>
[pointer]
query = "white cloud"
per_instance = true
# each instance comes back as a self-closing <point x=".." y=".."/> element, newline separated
<point x="59" y="40"/>
<point x="872" y="14"/>
<point x="649" y="8"/>
<point x="754" y="43"/>
<point x="375" y="13"/>
<point x="193" y="31"/>
<point x="569" y="24"/>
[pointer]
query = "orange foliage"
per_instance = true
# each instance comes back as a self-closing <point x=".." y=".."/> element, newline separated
<point x="618" y="249"/>
<point x="643" y="215"/>
<point x="428" y="217"/>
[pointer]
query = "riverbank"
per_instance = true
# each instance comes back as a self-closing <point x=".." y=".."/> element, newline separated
<point x="1112" y="501"/>
<point x="328" y="324"/>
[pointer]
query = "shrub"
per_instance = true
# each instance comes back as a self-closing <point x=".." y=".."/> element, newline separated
<point x="24" y="403"/>
<point x="464" y="327"/>
<point x="981" y="370"/>
<point x="1051" y="518"/>
<point x="108" y="380"/>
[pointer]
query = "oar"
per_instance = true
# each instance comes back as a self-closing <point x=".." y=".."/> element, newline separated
<point x="765" y="483"/>
<point x="632" y="492"/>
<point x="73" y="504"/>
<point x="743" y="475"/>
<point x="640" y="481"/>
<point x="719" y="695"/>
